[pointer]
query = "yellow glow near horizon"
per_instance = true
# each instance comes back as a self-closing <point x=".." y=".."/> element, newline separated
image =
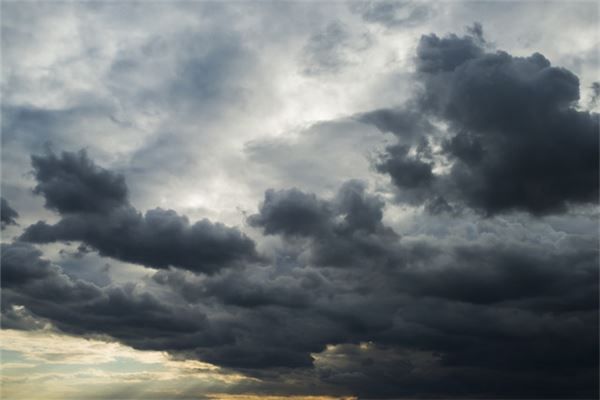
<point x="46" y="364"/>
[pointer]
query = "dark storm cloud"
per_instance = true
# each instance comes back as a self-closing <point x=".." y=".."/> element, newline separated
<point x="365" y="371"/>
<point x="291" y="212"/>
<point x="95" y="210"/>
<point x="406" y="171"/>
<point x="245" y="290"/>
<point x="7" y="213"/>
<point x="478" y="314"/>
<point x="21" y="263"/>
<point x="445" y="54"/>
<point x="509" y="275"/>
<point x="76" y="306"/>
<point x="345" y="230"/>
<point x="483" y="316"/>
<point x="514" y="301"/>
<point x="515" y="140"/>
<point x="72" y="183"/>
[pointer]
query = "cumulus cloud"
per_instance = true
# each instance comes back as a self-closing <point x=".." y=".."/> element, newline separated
<point x="514" y="140"/>
<point x="343" y="276"/>
<point x="74" y="184"/>
<point x="95" y="210"/>
<point x="345" y="230"/>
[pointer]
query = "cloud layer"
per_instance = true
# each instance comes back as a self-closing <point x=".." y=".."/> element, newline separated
<point x="300" y="200"/>
<point x="470" y="311"/>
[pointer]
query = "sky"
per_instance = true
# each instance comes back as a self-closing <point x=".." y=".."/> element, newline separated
<point x="299" y="200"/>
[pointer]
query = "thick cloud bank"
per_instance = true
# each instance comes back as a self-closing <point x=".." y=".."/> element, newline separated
<point x="514" y="138"/>
<point x="344" y="303"/>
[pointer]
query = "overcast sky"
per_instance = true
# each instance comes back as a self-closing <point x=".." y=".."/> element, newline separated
<point x="239" y="200"/>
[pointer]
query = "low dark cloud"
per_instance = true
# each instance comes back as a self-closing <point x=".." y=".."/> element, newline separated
<point x="514" y="141"/>
<point x="76" y="306"/>
<point x="72" y="183"/>
<point x="436" y="54"/>
<point x="291" y="212"/>
<point x="407" y="316"/>
<point x="406" y="171"/>
<point x="344" y="231"/>
<point x="7" y="214"/>
<point x="21" y="263"/>
<point x="95" y="210"/>
<point x="484" y="275"/>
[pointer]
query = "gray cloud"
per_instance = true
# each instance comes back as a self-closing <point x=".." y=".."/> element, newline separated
<point x="393" y="14"/>
<point x="342" y="147"/>
<point x="95" y="210"/>
<point x="74" y="184"/>
<point x="595" y="94"/>
<point x="346" y="230"/>
<point x="330" y="50"/>
<point x="80" y="307"/>
<point x="515" y="142"/>
<point x="472" y="312"/>
<point x="7" y="213"/>
<point x="345" y="278"/>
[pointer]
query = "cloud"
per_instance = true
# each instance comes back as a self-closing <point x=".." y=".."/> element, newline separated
<point x="332" y="49"/>
<point x="451" y="295"/>
<point x="344" y="231"/>
<point x="393" y="14"/>
<point x="407" y="172"/>
<point x="74" y="184"/>
<point x="7" y="213"/>
<point x="95" y="210"/>
<point x="443" y="310"/>
<point x="595" y="96"/>
<point x="402" y="123"/>
<point x="79" y="307"/>
<point x="514" y="139"/>
<point x="291" y="212"/>
<point x="342" y="147"/>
